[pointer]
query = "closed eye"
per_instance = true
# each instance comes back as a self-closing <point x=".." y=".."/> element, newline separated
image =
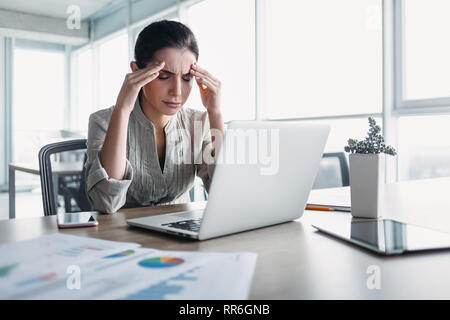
<point x="187" y="79"/>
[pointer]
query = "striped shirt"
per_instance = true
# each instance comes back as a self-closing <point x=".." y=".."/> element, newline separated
<point x="188" y="139"/>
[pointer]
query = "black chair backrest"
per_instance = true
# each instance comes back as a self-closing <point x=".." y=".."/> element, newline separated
<point x="329" y="174"/>
<point x="67" y="182"/>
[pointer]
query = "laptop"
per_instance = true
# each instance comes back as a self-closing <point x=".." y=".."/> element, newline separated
<point x="263" y="175"/>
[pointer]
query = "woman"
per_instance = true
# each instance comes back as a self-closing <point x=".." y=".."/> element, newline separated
<point x="147" y="149"/>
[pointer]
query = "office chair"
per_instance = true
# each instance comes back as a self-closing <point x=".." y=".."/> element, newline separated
<point x="62" y="172"/>
<point x="333" y="171"/>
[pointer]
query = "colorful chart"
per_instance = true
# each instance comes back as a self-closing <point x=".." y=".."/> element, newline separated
<point x="45" y="277"/>
<point x="162" y="290"/>
<point x="160" y="262"/>
<point x="121" y="254"/>
<point x="6" y="270"/>
<point x="75" y="252"/>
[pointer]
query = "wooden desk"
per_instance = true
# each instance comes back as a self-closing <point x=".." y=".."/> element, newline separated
<point x="294" y="260"/>
<point x="58" y="168"/>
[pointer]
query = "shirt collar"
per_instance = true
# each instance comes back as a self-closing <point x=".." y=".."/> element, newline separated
<point x="143" y="120"/>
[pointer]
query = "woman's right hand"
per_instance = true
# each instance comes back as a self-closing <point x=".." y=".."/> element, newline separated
<point x="133" y="83"/>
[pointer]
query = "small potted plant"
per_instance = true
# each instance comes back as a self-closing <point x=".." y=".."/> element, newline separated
<point x="367" y="170"/>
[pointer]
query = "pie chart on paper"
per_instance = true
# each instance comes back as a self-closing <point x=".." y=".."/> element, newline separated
<point x="160" y="262"/>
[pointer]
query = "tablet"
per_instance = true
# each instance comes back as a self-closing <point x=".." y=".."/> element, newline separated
<point x="389" y="237"/>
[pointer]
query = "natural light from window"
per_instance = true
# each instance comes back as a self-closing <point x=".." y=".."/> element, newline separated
<point x="38" y="105"/>
<point x="426" y="49"/>
<point x="227" y="51"/>
<point x="113" y="64"/>
<point x="323" y="57"/>
<point x="424" y="150"/>
<point x="83" y="90"/>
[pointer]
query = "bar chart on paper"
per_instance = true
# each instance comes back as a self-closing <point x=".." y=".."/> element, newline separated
<point x="201" y="282"/>
<point x="122" y="254"/>
<point x="172" y="287"/>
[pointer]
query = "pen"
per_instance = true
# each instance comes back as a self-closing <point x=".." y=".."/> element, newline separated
<point x="319" y="208"/>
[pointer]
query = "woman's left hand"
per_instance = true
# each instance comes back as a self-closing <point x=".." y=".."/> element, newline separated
<point x="209" y="88"/>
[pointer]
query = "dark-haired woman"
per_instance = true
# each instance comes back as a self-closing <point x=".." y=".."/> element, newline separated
<point x="148" y="148"/>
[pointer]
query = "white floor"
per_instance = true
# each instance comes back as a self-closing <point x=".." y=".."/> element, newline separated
<point x="28" y="204"/>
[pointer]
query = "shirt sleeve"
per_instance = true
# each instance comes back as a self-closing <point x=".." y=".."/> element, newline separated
<point x="105" y="194"/>
<point x="205" y="170"/>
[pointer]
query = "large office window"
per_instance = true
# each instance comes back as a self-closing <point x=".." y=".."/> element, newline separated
<point x="426" y="51"/>
<point x="113" y="66"/>
<point x="319" y="59"/>
<point x="82" y="90"/>
<point x="424" y="147"/>
<point x="98" y="72"/>
<point x="227" y="51"/>
<point x="323" y="57"/>
<point x="343" y="129"/>
<point x="422" y="82"/>
<point x="38" y="103"/>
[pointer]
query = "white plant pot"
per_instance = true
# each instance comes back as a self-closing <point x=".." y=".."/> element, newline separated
<point x="367" y="184"/>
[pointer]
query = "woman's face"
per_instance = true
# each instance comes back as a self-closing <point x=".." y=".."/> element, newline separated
<point x="170" y="90"/>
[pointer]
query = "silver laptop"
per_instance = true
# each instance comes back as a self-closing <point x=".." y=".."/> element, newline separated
<point x="263" y="176"/>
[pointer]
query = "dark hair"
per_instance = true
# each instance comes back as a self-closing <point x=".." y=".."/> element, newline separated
<point x="163" y="34"/>
<point x="159" y="35"/>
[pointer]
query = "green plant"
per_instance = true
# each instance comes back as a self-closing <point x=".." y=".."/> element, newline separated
<point x="373" y="144"/>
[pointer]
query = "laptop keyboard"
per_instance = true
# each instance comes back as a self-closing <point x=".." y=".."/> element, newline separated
<point x="189" y="225"/>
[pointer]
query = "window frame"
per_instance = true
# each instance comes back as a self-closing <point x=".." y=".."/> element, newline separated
<point x="404" y="106"/>
<point x="394" y="105"/>
<point x="257" y="109"/>
<point x="17" y="43"/>
<point x="7" y="56"/>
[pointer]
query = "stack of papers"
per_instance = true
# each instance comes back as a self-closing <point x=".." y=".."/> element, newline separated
<point x="334" y="198"/>
<point x="59" y="266"/>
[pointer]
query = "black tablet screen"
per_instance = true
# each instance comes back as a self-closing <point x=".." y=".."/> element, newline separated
<point x="389" y="236"/>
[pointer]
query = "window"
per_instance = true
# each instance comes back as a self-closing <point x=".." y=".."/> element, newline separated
<point x="227" y="51"/>
<point x="422" y="82"/>
<point x="38" y="104"/>
<point x="343" y="129"/>
<point x="113" y="64"/>
<point x="426" y="72"/>
<point x="424" y="150"/>
<point x="98" y="73"/>
<point x="323" y="57"/>
<point x="83" y="90"/>
<point x="320" y="59"/>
